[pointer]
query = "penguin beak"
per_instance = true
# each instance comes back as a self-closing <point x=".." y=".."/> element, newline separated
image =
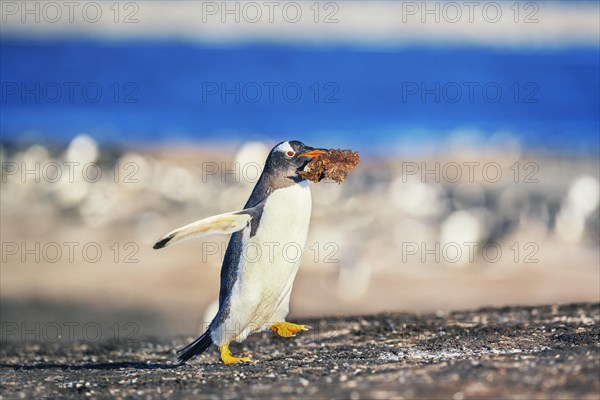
<point x="313" y="153"/>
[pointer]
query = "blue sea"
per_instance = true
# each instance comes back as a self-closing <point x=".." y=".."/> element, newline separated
<point x="156" y="92"/>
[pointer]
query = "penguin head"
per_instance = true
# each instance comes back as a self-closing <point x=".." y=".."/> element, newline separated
<point x="287" y="158"/>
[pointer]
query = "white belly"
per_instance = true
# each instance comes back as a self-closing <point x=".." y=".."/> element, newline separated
<point x="269" y="263"/>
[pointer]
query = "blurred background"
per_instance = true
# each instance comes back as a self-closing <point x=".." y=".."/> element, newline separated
<point x="477" y="125"/>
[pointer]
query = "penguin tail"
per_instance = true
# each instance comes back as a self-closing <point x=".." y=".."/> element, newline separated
<point x="194" y="349"/>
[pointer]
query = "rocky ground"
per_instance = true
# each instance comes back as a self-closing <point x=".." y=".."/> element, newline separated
<point x="514" y="352"/>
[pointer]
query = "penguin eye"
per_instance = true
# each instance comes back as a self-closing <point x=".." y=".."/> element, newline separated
<point x="290" y="153"/>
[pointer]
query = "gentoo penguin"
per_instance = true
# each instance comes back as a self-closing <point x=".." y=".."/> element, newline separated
<point x="257" y="274"/>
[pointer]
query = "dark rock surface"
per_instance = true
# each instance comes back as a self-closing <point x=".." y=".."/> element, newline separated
<point x="513" y="352"/>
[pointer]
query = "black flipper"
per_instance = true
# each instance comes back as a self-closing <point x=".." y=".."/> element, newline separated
<point x="194" y="349"/>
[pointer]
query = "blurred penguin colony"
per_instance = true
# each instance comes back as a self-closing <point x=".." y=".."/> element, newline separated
<point x="479" y="203"/>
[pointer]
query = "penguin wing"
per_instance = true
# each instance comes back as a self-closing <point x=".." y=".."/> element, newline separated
<point x="218" y="224"/>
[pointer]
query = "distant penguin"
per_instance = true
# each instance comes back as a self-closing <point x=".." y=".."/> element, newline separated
<point x="255" y="291"/>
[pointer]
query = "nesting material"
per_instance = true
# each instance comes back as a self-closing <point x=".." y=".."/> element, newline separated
<point x="334" y="165"/>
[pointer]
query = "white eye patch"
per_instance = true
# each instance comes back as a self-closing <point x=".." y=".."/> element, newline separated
<point x="284" y="147"/>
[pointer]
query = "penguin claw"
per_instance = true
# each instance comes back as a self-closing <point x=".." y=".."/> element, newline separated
<point x="227" y="358"/>
<point x="288" y="329"/>
<point x="235" y="360"/>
